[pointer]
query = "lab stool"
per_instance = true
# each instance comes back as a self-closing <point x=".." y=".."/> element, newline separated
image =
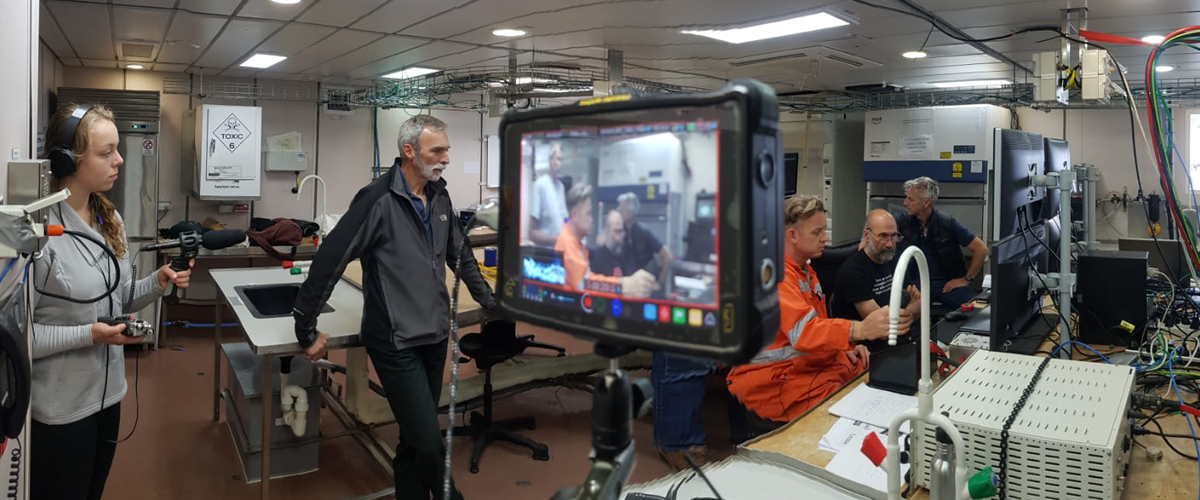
<point x="498" y="343"/>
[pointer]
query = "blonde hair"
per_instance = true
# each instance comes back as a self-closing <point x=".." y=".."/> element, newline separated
<point x="110" y="225"/>
<point x="800" y="208"/>
<point x="578" y="194"/>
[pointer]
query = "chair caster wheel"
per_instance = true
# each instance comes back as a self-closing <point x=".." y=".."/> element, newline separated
<point x="474" y="468"/>
<point x="542" y="455"/>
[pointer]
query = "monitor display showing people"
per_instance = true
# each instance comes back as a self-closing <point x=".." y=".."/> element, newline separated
<point x="631" y="222"/>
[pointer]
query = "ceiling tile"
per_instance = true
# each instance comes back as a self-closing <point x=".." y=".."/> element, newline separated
<point x="133" y="23"/>
<point x="398" y="14"/>
<point x="238" y="72"/>
<point x="272" y="10"/>
<point x="463" y="59"/>
<point x="167" y="4"/>
<point x="189" y="29"/>
<point x="339" y="12"/>
<point x="409" y="58"/>
<point x="96" y="63"/>
<point x="71" y="61"/>
<point x="86" y="26"/>
<point x="222" y="7"/>
<point x="374" y="51"/>
<point x="170" y="68"/>
<point x="239" y="36"/>
<point x="331" y="47"/>
<point x="294" y="38"/>
<point x="54" y="38"/>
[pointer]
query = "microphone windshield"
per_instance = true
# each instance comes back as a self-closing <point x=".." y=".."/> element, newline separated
<point x="222" y="238"/>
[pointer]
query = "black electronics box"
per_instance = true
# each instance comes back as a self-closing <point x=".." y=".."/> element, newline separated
<point x="1111" y="289"/>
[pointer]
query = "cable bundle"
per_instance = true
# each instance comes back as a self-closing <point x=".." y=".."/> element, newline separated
<point x="1158" y="116"/>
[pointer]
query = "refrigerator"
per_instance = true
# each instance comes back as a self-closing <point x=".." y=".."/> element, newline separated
<point x="135" y="194"/>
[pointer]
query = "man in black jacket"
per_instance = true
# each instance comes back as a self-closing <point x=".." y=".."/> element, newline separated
<point x="404" y="230"/>
<point x="942" y="238"/>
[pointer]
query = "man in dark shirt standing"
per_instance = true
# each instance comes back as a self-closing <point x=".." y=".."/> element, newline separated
<point x="641" y="246"/>
<point x="942" y="238"/>
<point x="864" y="282"/>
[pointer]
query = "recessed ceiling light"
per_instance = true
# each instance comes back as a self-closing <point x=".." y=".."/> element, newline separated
<point x="914" y="54"/>
<point x="133" y="66"/>
<point x="970" y="83"/>
<point x="410" y="73"/>
<point x="262" y="61"/>
<point x="509" y="32"/>
<point x="802" y="24"/>
<point x="1163" y="69"/>
<point x="1153" y="39"/>
<point x="289" y="2"/>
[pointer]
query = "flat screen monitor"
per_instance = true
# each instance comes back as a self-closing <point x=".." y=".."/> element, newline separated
<point x="1018" y="156"/>
<point x="695" y="180"/>
<point x="1014" y="303"/>
<point x="791" y="165"/>
<point x="1058" y="159"/>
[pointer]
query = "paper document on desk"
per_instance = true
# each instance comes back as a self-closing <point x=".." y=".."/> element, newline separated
<point x="873" y="406"/>
<point x="851" y="464"/>
<point x="846" y="432"/>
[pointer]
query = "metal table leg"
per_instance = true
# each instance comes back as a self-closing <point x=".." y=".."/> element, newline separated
<point x="268" y="402"/>
<point x="217" y="363"/>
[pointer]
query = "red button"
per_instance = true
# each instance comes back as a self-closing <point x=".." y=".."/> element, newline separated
<point x="664" y="314"/>
<point x="967" y="307"/>
<point x="587" y="301"/>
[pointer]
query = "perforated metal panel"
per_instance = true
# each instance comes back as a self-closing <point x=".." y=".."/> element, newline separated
<point x="1069" y="442"/>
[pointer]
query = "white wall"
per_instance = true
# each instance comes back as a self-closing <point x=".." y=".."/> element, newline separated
<point x="1101" y="137"/>
<point x="19" y="57"/>
<point x="340" y="148"/>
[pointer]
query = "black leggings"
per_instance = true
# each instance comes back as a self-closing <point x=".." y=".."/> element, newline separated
<point x="71" y="461"/>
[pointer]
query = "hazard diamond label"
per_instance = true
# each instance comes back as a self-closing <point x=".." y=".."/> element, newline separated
<point x="231" y="133"/>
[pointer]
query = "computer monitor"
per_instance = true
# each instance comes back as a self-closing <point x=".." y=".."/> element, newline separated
<point x="1018" y="156"/>
<point x="1014" y="303"/>
<point x="1166" y="255"/>
<point x="1058" y="159"/>
<point x="791" y="165"/>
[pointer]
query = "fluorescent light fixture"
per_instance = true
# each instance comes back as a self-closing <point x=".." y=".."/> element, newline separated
<point x="509" y="32"/>
<point x="410" y="73"/>
<point x="914" y="54"/>
<point x="288" y="2"/>
<point x="134" y="66"/>
<point x="802" y="24"/>
<point x="1163" y="69"/>
<point x="525" y="80"/>
<point x="970" y="83"/>
<point x="262" y="61"/>
<point x="1153" y="39"/>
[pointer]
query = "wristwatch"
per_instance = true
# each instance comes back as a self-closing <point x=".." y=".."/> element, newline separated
<point x="969" y="278"/>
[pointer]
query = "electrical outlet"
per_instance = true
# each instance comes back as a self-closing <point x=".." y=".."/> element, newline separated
<point x="164" y="206"/>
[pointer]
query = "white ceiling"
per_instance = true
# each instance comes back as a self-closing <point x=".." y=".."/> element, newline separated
<point x="355" y="41"/>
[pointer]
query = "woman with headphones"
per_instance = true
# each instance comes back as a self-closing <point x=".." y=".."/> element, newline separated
<point x="81" y="277"/>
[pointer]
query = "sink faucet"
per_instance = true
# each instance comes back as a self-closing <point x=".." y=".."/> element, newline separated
<point x="323" y="214"/>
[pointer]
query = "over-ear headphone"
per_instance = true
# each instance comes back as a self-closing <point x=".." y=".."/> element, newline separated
<point x="62" y="164"/>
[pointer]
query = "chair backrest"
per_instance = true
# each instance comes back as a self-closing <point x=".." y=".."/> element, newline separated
<point x="827" y="265"/>
<point x="498" y="342"/>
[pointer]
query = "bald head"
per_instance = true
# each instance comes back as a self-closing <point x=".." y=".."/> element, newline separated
<point x="614" y="231"/>
<point x="881" y="235"/>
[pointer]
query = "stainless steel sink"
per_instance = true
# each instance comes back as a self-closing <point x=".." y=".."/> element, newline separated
<point x="271" y="301"/>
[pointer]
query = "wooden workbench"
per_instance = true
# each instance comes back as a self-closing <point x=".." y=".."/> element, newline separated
<point x="1174" y="477"/>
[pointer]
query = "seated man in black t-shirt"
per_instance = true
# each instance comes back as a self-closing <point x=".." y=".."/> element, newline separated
<point x="864" y="282"/>
<point x="605" y="257"/>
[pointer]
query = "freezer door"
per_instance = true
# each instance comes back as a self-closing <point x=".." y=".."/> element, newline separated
<point x="135" y="194"/>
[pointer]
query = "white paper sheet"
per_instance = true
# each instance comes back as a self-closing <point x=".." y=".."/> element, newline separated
<point x="846" y="432"/>
<point x="873" y="406"/>
<point x="851" y="464"/>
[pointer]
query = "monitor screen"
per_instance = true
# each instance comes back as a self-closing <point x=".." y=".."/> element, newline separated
<point x="621" y="221"/>
<point x="791" y="166"/>
<point x="1014" y="302"/>
<point x="1018" y="157"/>
<point x="1058" y="159"/>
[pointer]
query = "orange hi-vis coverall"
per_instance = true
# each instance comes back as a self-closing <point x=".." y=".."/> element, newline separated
<point x="575" y="262"/>
<point x="807" y="360"/>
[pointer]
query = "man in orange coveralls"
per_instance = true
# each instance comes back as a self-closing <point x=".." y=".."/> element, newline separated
<point x="579" y="275"/>
<point x="812" y="355"/>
